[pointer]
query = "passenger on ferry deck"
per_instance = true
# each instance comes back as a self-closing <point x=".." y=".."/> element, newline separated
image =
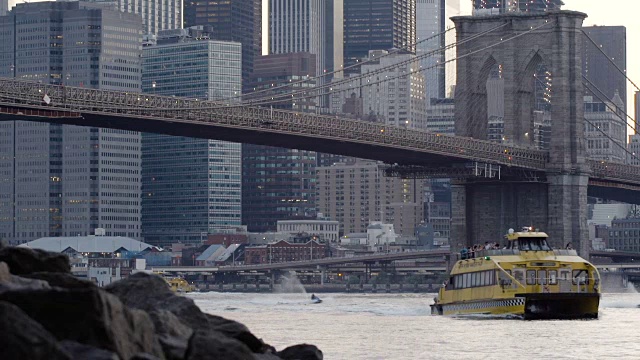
<point x="487" y="246"/>
<point x="464" y="253"/>
<point x="569" y="246"/>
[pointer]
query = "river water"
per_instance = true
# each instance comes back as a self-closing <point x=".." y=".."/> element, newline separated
<point x="399" y="326"/>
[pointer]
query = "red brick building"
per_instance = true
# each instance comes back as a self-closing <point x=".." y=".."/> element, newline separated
<point x="284" y="251"/>
<point x="226" y="239"/>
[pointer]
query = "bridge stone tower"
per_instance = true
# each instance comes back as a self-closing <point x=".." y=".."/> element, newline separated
<point x="555" y="203"/>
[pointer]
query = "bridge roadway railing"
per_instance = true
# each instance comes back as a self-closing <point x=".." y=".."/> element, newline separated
<point x="623" y="173"/>
<point x="26" y="94"/>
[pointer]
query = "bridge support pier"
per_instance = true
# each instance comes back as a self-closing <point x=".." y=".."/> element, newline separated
<point x="484" y="211"/>
<point x="568" y="212"/>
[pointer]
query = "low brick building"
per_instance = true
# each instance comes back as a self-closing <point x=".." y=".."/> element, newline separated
<point x="284" y="251"/>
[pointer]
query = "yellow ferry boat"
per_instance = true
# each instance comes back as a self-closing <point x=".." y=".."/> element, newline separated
<point x="179" y="285"/>
<point x="526" y="279"/>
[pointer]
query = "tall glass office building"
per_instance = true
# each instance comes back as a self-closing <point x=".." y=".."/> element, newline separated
<point x="189" y="185"/>
<point x="63" y="180"/>
<point x="377" y="25"/>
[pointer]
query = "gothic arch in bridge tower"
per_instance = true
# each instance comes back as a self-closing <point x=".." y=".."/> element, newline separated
<point x="530" y="113"/>
<point x="479" y="99"/>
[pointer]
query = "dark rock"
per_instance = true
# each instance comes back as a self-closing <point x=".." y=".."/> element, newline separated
<point x="23" y="338"/>
<point x="10" y="282"/>
<point x="81" y="351"/>
<point x="63" y="280"/>
<point x="172" y="333"/>
<point x="148" y="292"/>
<point x="5" y="275"/>
<point x="237" y="331"/>
<point x="26" y="260"/>
<point x="301" y="352"/>
<point x="268" y="356"/>
<point x="144" y="356"/>
<point x="89" y="316"/>
<point x="208" y="345"/>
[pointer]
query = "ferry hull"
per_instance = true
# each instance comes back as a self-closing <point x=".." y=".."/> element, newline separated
<point x="561" y="306"/>
<point x="528" y="306"/>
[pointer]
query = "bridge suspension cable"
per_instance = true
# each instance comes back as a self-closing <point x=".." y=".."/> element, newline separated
<point x="269" y="100"/>
<point x="610" y="60"/>
<point x="288" y="96"/>
<point x="318" y="77"/>
<point x="291" y="96"/>
<point x="607" y="102"/>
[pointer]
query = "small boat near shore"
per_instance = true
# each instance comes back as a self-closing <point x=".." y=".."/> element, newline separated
<point x="179" y="285"/>
<point x="315" y="299"/>
<point x="526" y="279"/>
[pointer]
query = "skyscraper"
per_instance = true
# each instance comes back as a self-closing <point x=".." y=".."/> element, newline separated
<point x="432" y="19"/>
<point x="190" y="186"/>
<point x="612" y="40"/>
<point x="230" y="20"/>
<point x="4" y="7"/>
<point x="156" y="15"/>
<point x="279" y="183"/>
<point x="377" y="25"/>
<point x="61" y="180"/>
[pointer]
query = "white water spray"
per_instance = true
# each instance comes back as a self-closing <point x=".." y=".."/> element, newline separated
<point x="290" y="284"/>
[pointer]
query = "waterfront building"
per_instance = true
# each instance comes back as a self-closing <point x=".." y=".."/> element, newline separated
<point x="101" y="259"/>
<point x="357" y="193"/>
<point x="624" y="235"/>
<point x="598" y="69"/>
<point x="4" y="7"/>
<point x="230" y="20"/>
<point x="279" y="183"/>
<point x="377" y="25"/>
<point x="323" y="229"/>
<point x="284" y="251"/>
<point x="62" y="180"/>
<point x="380" y="236"/>
<point x="190" y="186"/>
<point x="399" y="101"/>
<point x="605" y="129"/>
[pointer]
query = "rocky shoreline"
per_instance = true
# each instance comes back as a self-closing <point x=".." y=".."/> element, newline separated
<point x="47" y="313"/>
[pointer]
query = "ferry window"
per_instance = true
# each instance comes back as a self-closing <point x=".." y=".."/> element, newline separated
<point x="487" y="278"/>
<point x="492" y="277"/>
<point x="465" y="281"/>
<point x="580" y="275"/>
<point x="519" y="275"/>
<point x="476" y="279"/>
<point x="553" y="277"/>
<point x="535" y="244"/>
<point x="542" y="277"/>
<point x="515" y="244"/>
<point x="531" y="277"/>
<point x="524" y="245"/>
